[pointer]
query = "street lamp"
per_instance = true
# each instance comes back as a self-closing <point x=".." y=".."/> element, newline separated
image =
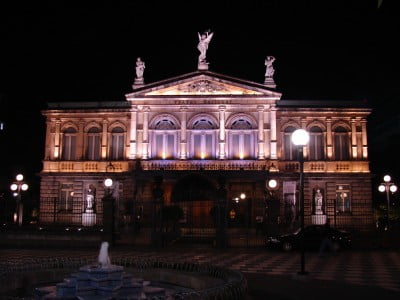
<point x="108" y="182"/>
<point x="17" y="187"/>
<point x="387" y="186"/>
<point x="272" y="184"/>
<point x="300" y="138"/>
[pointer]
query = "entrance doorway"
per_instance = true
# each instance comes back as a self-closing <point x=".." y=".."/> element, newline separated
<point x="196" y="195"/>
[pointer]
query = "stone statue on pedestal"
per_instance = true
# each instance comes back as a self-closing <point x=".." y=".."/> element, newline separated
<point x="89" y="202"/>
<point x="269" y="72"/>
<point x="140" y="66"/>
<point x="202" y="46"/>
<point x="318" y="198"/>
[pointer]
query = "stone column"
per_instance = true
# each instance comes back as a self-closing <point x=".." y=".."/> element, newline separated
<point x="104" y="141"/>
<point x="260" y="109"/>
<point x="145" y="145"/>
<point x="353" y="138"/>
<point x="304" y="126"/>
<point x="133" y="134"/>
<point x="48" y="147"/>
<point x="183" y="110"/>
<point x="57" y="139"/>
<point x="222" y="109"/>
<point x="267" y="129"/>
<point x="80" y="141"/>
<point x="364" y="139"/>
<point x="273" y="147"/>
<point x="329" y="151"/>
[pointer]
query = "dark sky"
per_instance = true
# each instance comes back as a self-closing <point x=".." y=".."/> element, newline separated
<point x="55" y="52"/>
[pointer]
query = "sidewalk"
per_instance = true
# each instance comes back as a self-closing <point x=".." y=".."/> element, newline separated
<point x="297" y="287"/>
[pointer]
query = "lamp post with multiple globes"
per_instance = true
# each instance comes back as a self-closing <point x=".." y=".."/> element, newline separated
<point x="300" y="138"/>
<point x="17" y="187"/>
<point x="388" y="187"/>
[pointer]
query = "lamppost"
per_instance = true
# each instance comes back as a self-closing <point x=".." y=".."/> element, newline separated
<point x="108" y="182"/>
<point x="108" y="212"/>
<point x="300" y="138"/>
<point x="387" y="186"/>
<point x="18" y="187"/>
<point x="272" y="184"/>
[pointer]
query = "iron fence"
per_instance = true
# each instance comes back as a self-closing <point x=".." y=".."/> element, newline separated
<point x="57" y="211"/>
<point x="236" y="224"/>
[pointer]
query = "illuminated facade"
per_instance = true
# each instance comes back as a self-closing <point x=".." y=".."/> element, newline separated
<point x="191" y="131"/>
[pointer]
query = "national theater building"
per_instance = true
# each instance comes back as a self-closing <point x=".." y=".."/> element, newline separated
<point x="203" y="140"/>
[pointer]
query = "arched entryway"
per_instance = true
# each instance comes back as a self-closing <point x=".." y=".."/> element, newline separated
<point x="196" y="195"/>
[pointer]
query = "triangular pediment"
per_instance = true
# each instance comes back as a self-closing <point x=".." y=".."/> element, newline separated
<point x="202" y="84"/>
<point x="203" y="87"/>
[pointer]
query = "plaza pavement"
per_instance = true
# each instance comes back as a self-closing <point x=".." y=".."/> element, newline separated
<point x="351" y="274"/>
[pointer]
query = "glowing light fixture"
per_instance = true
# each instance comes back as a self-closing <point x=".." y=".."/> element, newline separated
<point x="387" y="186"/>
<point x="300" y="137"/>
<point x="272" y="183"/>
<point x="108" y="182"/>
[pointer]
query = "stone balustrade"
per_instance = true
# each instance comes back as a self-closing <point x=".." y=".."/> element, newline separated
<point x="209" y="165"/>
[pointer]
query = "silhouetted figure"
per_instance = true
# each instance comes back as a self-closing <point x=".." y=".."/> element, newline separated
<point x="326" y="241"/>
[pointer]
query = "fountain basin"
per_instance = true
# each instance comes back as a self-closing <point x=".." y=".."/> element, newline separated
<point x="182" y="280"/>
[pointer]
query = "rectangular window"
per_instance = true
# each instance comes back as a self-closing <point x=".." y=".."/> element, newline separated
<point x="316" y="147"/>
<point x="241" y="145"/>
<point x="202" y="145"/>
<point x="290" y="149"/>
<point x="93" y="147"/>
<point x="66" y="197"/>
<point x="341" y="146"/>
<point x="343" y="200"/>
<point x="164" y="145"/>
<point x="117" y="146"/>
<point x="69" y="144"/>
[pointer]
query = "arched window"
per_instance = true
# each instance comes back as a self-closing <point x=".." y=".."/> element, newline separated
<point x="93" y="144"/>
<point x="290" y="149"/>
<point x="241" y="124"/>
<point x="165" y="124"/>
<point x="69" y="144"/>
<point x="341" y="143"/>
<point x="241" y="140"/>
<point x="203" y="139"/>
<point x="164" y="139"/>
<point x="117" y="144"/>
<point x="316" y="143"/>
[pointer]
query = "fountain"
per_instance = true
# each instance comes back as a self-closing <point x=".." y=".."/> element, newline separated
<point x="127" y="277"/>
<point x="102" y="281"/>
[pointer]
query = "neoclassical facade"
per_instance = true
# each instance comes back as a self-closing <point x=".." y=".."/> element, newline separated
<point x="194" y="135"/>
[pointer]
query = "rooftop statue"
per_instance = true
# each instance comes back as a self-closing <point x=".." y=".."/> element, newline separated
<point x="269" y="72"/>
<point x="139" y="68"/>
<point x="204" y="40"/>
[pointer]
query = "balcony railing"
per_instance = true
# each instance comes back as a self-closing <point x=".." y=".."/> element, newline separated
<point x="181" y="165"/>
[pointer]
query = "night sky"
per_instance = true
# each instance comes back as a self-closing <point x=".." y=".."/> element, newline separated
<point x="56" y="52"/>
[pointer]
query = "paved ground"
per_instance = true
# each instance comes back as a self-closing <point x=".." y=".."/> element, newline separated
<point x="362" y="274"/>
